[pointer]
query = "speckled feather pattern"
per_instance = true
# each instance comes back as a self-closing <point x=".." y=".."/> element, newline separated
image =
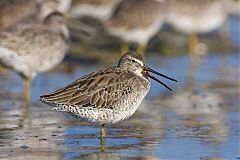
<point x="107" y="96"/>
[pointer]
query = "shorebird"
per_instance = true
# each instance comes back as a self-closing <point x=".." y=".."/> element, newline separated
<point x="107" y="96"/>
<point x="15" y="14"/>
<point x="136" y="21"/>
<point x="195" y="17"/>
<point x="34" y="48"/>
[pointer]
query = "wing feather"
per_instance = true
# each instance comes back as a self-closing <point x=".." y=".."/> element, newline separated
<point x="98" y="90"/>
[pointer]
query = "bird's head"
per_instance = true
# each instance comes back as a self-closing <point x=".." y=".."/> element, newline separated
<point x="134" y="62"/>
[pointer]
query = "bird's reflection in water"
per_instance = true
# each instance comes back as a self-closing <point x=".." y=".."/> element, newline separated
<point x="112" y="156"/>
<point x="143" y="132"/>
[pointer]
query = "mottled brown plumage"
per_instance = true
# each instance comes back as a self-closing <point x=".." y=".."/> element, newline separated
<point x="106" y="96"/>
<point x="98" y="90"/>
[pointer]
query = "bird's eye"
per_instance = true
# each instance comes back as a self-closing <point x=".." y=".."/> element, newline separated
<point x="133" y="61"/>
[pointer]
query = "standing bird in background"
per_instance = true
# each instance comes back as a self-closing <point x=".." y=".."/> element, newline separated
<point x="35" y="48"/>
<point x="195" y="17"/>
<point x="15" y="15"/>
<point x="107" y="96"/>
<point x="136" y="21"/>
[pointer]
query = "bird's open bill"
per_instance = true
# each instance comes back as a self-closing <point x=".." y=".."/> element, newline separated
<point x="146" y="71"/>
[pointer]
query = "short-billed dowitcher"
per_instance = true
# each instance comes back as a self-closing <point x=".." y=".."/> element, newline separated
<point x="35" y="48"/>
<point x="195" y="17"/>
<point x="136" y="21"/>
<point x="106" y="96"/>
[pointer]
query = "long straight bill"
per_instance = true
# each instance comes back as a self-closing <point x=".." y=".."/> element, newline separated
<point x="158" y="81"/>
<point x="160" y="74"/>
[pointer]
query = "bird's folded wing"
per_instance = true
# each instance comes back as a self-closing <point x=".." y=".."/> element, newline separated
<point x="98" y="90"/>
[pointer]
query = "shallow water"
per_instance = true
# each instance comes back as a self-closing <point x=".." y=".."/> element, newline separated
<point x="199" y="120"/>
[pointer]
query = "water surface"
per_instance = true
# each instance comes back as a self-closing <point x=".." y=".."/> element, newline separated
<point x="199" y="120"/>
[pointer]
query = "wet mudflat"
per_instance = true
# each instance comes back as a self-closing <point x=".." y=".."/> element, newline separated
<point x="199" y="120"/>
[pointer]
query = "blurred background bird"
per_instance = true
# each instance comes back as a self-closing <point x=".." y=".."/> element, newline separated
<point x="136" y="21"/>
<point x="194" y="17"/>
<point x="36" y="45"/>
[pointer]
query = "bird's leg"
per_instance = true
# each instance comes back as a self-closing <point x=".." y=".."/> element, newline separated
<point x="3" y="71"/>
<point x="124" y="48"/>
<point x="193" y="48"/>
<point x="191" y="76"/>
<point x="102" y="131"/>
<point x="26" y="115"/>
<point x="27" y="87"/>
<point x="195" y="59"/>
<point x="102" y="138"/>
<point x="141" y="48"/>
